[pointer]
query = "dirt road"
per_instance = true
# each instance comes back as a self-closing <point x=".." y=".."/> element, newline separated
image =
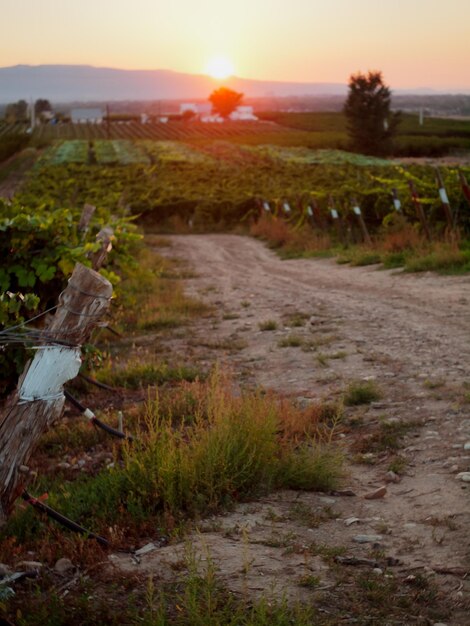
<point x="330" y="325"/>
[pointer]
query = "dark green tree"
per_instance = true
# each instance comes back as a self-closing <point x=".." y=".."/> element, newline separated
<point x="225" y="101"/>
<point x="370" y="122"/>
<point x="17" y="111"/>
<point x="42" y="105"/>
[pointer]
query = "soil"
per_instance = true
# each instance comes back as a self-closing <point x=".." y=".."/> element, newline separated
<point x="406" y="332"/>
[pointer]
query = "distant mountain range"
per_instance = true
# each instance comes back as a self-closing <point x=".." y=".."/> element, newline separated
<point x="65" y="83"/>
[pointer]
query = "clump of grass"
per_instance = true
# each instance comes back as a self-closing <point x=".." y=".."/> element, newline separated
<point x="197" y="456"/>
<point x="268" y="325"/>
<point x="387" y="438"/>
<point x="362" y="392"/>
<point x="444" y="258"/>
<point x="292" y="241"/>
<point x="291" y="341"/>
<point x="297" y="319"/>
<point x="137" y="375"/>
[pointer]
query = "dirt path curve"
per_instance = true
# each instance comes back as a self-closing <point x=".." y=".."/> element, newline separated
<point x="410" y="334"/>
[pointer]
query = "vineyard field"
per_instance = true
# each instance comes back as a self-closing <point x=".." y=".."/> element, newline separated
<point x="221" y="183"/>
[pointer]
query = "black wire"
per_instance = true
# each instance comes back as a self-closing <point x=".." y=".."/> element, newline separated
<point x="65" y="521"/>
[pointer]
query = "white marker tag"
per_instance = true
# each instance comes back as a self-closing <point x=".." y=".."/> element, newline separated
<point x="443" y="194"/>
<point x="286" y="207"/>
<point x="357" y="210"/>
<point x="334" y="214"/>
<point x="266" y="207"/>
<point x="397" y="204"/>
<point x="310" y="211"/>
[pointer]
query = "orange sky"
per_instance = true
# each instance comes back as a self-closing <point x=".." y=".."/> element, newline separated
<point x="416" y="43"/>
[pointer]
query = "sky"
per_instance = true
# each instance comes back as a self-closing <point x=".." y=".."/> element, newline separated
<point x="415" y="43"/>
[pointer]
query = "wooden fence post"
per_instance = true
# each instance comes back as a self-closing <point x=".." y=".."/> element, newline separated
<point x="38" y="400"/>
<point x="105" y="237"/>
<point x="465" y="186"/>
<point x="396" y="201"/>
<point x="444" y="200"/>
<point x="335" y="217"/>
<point x="85" y="218"/>
<point x="419" y="210"/>
<point x="362" y="224"/>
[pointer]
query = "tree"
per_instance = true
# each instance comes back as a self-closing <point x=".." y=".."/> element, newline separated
<point x="41" y="105"/>
<point x="371" y="124"/>
<point x="17" y="111"/>
<point x="225" y="101"/>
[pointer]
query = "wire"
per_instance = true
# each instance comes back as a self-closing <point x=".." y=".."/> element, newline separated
<point x="23" y="324"/>
<point x="65" y="521"/>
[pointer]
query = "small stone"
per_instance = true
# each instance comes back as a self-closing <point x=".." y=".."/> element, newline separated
<point x="367" y="538"/>
<point x="351" y="520"/>
<point x="439" y="624"/>
<point x="378" y="493"/>
<point x="467" y="446"/>
<point x="63" y="465"/>
<point x="29" y="566"/>
<point x="377" y="571"/>
<point x="81" y="463"/>
<point x="4" y="570"/>
<point x="325" y="500"/>
<point x="391" y="477"/>
<point x="24" y="469"/>
<point x="63" y="566"/>
<point x="465" y="476"/>
<point x="454" y="469"/>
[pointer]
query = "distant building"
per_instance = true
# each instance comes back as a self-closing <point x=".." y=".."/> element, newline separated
<point x="200" y="109"/>
<point x="243" y="114"/>
<point x="86" y="116"/>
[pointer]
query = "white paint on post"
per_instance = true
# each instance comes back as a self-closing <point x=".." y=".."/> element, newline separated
<point x="50" y="369"/>
<point x="266" y="207"/>
<point x="334" y="214"/>
<point x="397" y="204"/>
<point x="286" y="207"/>
<point x="443" y="194"/>
<point x="310" y="211"/>
<point x="357" y="210"/>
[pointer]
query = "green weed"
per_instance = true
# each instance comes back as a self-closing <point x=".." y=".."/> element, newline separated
<point x="362" y="392"/>
<point x="268" y="325"/>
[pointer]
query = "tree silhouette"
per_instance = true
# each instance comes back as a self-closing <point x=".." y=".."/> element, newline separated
<point x="225" y="101"/>
<point x="371" y="124"/>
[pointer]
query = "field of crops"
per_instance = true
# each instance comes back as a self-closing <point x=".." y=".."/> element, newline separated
<point x="173" y="130"/>
<point x="219" y="184"/>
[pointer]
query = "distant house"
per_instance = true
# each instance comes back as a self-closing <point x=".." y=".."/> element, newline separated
<point x="199" y="109"/>
<point x="243" y="114"/>
<point x="86" y="116"/>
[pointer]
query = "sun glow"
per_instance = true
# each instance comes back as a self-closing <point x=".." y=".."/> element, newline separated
<point x="219" y="68"/>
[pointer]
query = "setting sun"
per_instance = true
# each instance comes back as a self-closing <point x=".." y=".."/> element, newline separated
<point x="219" y="68"/>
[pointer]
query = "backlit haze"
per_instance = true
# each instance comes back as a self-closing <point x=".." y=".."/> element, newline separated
<point x="416" y="43"/>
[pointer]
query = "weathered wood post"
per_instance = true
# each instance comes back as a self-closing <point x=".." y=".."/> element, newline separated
<point x="38" y="400"/>
<point x="85" y="218"/>
<point x="465" y="186"/>
<point x="419" y="210"/>
<point x="362" y="224"/>
<point x="396" y="201"/>
<point x="444" y="200"/>
<point x="105" y="237"/>
<point x="335" y="217"/>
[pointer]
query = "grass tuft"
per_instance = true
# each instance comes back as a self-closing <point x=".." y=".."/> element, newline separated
<point x="362" y="392"/>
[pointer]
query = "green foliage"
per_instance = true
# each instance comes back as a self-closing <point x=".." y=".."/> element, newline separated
<point x="371" y="125"/>
<point x="39" y="249"/>
<point x="362" y="392"/>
